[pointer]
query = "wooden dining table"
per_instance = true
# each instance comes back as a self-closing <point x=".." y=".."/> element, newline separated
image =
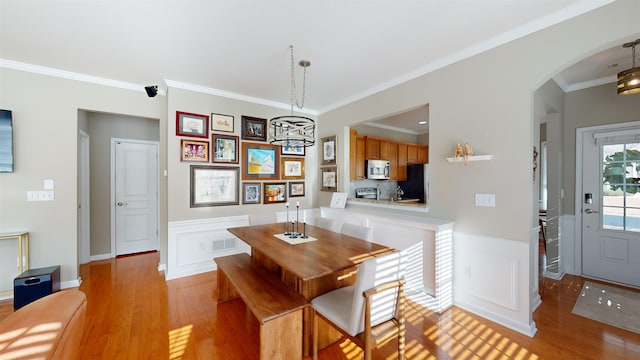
<point x="311" y="268"/>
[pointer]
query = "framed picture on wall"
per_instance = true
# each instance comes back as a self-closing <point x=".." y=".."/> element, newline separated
<point x="292" y="149"/>
<point x="251" y="193"/>
<point x="221" y="122"/>
<point x="214" y="185"/>
<point x="329" y="180"/>
<point x="192" y="150"/>
<point x="254" y="128"/>
<point x="275" y="193"/>
<point x="194" y="125"/>
<point x="329" y="149"/>
<point x="225" y="148"/>
<point x="292" y="168"/>
<point x="296" y="188"/>
<point x="260" y="162"/>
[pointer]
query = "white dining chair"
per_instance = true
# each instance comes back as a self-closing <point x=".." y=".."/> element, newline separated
<point x="370" y="312"/>
<point x="357" y="231"/>
<point x="322" y="222"/>
<point x="261" y="219"/>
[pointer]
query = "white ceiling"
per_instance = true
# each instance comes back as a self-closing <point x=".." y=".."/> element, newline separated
<point x="240" y="48"/>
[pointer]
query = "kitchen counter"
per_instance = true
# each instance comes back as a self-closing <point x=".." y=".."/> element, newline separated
<point x="404" y="204"/>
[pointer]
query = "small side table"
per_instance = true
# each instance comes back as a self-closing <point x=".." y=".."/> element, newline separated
<point x="23" y="245"/>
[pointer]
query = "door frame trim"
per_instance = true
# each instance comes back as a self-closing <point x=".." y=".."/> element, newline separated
<point x="578" y="184"/>
<point x="84" y="200"/>
<point x="112" y="196"/>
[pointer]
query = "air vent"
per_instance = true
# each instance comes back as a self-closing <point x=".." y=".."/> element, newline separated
<point x="219" y="245"/>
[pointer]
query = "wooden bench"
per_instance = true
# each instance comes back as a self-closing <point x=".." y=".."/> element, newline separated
<point x="277" y="307"/>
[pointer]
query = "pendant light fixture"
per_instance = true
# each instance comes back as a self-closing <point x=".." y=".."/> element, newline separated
<point x="293" y="130"/>
<point x="629" y="80"/>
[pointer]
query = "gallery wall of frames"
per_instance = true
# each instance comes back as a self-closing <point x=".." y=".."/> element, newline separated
<point x="228" y="169"/>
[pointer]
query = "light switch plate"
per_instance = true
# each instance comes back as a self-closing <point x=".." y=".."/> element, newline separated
<point x="486" y="200"/>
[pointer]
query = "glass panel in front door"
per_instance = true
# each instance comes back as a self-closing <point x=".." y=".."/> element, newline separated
<point x="621" y="187"/>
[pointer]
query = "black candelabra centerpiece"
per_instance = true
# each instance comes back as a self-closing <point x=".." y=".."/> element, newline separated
<point x="295" y="226"/>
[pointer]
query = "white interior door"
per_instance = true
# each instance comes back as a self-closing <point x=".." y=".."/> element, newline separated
<point x="135" y="202"/>
<point x="611" y="206"/>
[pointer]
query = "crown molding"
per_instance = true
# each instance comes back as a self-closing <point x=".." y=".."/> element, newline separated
<point x="235" y="96"/>
<point x="70" y="75"/>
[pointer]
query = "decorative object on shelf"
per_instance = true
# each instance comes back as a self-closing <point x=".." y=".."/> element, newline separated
<point x="294" y="129"/>
<point x="463" y="152"/>
<point x="468" y="151"/>
<point x="629" y="80"/>
<point x="251" y="193"/>
<point x="254" y="128"/>
<point x="214" y="186"/>
<point x="194" y="125"/>
<point x="192" y="150"/>
<point x="260" y="162"/>
<point x="329" y="149"/>
<point x="329" y="179"/>
<point x="535" y="162"/>
<point x="458" y="152"/>
<point x="221" y="122"/>
<point x="225" y="149"/>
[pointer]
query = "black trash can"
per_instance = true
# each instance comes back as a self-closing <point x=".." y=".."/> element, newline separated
<point x="33" y="284"/>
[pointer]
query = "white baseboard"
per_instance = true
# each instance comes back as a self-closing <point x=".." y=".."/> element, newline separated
<point x="101" y="257"/>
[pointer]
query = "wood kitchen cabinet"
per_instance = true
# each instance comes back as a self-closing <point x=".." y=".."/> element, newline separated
<point x="417" y="154"/>
<point x="391" y="154"/>
<point x="402" y="162"/>
<point x="356" y="156"/>
<point x="423" y="154"/>
<point x="379" y="148"/>
<point x="372" y="147"/>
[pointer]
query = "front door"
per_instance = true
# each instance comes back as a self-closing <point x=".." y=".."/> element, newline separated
<point x="135" y="196"/>
<point x="611" y="206"/>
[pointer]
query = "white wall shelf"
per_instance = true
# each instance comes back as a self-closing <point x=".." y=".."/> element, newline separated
<point x="470" y="158"/>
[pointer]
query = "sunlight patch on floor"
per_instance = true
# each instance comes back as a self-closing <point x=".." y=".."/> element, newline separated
<point x="466" y="338"/>
<point x="178" y="340"/>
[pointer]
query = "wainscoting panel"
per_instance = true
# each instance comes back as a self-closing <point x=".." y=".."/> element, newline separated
<point x="193" y="244"/>
<point x="491" y="279"/>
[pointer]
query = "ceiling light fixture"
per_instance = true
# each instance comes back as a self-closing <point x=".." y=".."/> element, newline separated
<point x="629" y="80"/>
<point x="292" y="130"/>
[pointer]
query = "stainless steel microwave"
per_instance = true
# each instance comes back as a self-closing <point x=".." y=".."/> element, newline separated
<point x="378" y="169"/>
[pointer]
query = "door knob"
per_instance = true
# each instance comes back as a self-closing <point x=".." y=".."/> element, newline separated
<point x="590" y="211"/>
<point x="120" y="203"/>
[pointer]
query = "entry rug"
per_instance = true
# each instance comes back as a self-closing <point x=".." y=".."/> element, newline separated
<point x="295" y="241"/>
<point x="613" y="306"/>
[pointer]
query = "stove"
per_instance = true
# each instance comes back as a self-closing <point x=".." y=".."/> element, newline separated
<point x="367" y="193"/>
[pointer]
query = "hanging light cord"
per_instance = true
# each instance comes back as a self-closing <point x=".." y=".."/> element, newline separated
<point x="294" y="98"/>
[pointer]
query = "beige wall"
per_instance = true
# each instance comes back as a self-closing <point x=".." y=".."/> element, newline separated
<point x="45" y="113"/>
<point x="499" y="100"/>
<point x="179" y="172"/>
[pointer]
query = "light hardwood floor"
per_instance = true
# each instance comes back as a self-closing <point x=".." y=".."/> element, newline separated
<point x="133" y="313"/>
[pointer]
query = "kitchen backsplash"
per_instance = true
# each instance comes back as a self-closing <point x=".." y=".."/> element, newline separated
<point x="387" y="187"/>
